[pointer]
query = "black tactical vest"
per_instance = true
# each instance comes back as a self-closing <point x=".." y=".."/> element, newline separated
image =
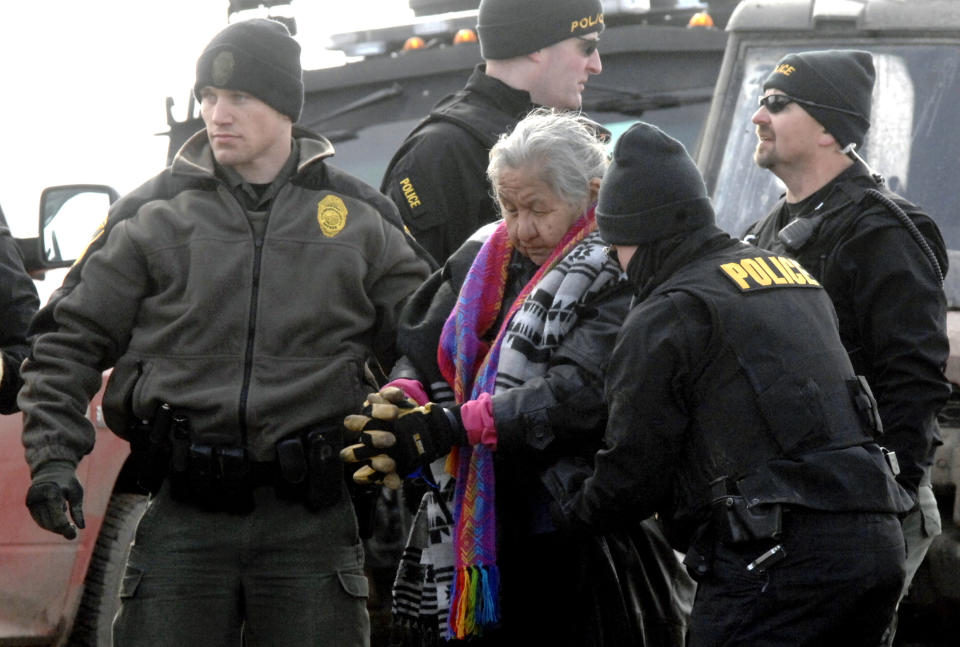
<point x="774" y="401"/>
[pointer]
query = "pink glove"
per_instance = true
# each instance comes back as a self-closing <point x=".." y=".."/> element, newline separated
<point x="477" y="417"/>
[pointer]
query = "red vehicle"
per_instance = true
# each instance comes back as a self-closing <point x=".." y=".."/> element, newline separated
<point x="34" y="562"/>
<point x="54" y="591"/>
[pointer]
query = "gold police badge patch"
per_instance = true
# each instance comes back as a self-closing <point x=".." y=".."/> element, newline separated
<point x="332" y="215"/>
<point x="222" y="68"/>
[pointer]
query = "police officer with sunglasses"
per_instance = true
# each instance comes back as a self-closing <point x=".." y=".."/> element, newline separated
<point x="880" y="258"/>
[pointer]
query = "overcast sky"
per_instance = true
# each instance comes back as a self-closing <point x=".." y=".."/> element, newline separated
<point x="84" y="83"/>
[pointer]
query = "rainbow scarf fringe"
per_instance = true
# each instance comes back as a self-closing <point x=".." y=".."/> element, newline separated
<point x="469" y="364"/>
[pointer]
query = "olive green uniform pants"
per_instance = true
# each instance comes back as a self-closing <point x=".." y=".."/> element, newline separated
<point x="281" y="574"/>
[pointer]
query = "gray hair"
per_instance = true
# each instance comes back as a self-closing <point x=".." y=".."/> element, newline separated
<point x="563" y="147"/>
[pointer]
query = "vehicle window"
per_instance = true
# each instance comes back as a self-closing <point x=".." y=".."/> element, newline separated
<point x="367" y="154"/>
<point x="683" y="123"/>
<point x="911" y="141"/>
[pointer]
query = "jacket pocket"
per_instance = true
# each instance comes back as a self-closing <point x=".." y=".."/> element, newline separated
<point x="119" y="397"/>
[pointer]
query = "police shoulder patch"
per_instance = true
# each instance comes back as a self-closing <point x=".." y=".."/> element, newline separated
<point x="410" y="193"/>
<point x="332" y="215"/>
<point x="765" y="272"/>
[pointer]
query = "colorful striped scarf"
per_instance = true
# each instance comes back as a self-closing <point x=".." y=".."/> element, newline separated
<point x="470" y="364"/>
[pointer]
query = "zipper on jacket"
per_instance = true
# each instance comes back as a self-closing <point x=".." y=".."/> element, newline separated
<point x="258" y="241"/>
<point x="251" y="338"/>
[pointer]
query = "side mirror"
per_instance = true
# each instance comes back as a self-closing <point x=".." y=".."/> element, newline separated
<point x="69" y="216"/>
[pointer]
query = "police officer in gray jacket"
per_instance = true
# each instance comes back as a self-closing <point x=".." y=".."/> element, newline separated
<point x="239" y="297"/>
<point x="736" y="415"/>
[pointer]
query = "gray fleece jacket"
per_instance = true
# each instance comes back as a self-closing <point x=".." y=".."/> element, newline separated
<point x="253" y="337"/>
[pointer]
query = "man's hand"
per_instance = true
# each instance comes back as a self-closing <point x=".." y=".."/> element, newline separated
<point x="369" y="434"/>
<point x="54" y="490"/>
<point x="406" y="437"/>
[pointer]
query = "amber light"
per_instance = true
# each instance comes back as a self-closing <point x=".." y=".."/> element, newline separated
<point x="700" y="19"/>
<point x="414" y="42"/>
<point x="465" y="36"/>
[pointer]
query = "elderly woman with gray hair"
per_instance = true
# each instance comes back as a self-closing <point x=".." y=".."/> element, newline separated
<point x="504" y="352"/>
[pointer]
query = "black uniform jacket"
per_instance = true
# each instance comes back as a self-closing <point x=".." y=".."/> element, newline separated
<point x="731" y="371"/>
<point x="889" y="301"/>
<point x="18" y="305"/>
<point x="438" y="176"/>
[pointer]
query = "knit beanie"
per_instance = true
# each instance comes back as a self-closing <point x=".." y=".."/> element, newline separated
<point x="651" y="190"/>
<point x="838" y="79"/>
<point x="509" y="28"/>
<point x="258" y="56"/>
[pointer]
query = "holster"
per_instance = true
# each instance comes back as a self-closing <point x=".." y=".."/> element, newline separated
<point x="736" y="523"/>
<point x="214" y="478"/>
<point x="151" y="449"/>
<point x="310" y="467"/>
<point x="217" y="478"/>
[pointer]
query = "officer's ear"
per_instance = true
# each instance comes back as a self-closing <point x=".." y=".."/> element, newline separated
<point x="827" y="140"/>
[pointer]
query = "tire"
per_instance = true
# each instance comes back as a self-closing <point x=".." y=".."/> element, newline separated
<point x="92" y="626"/>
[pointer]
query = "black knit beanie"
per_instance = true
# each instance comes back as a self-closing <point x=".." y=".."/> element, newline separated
<point x="258" y="56"/>
<point x="651" y="190"/>
<point x="509" y="28"/>
<point x="841" y="79"/>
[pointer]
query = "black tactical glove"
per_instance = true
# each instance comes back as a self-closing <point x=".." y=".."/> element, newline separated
<point x="409" y="437"/>
<point x="366" y="442"/>
<point x="55" y="488"/>
<point x="425" y="434"/>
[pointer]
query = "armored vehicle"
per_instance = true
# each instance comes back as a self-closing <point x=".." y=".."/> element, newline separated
<point x="655" y="67"/>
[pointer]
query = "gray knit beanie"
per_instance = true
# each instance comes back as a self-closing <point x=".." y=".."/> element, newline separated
<point x="510" y="28"/>
<point x="258" y="56"/>
<point x="839" y="80"/>
<point x="651" y="190"/>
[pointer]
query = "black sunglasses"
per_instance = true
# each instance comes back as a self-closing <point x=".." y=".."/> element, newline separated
<point x="598" y="130"/>
<point x="591" y="47"/>
<point x="777" y="102"/>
